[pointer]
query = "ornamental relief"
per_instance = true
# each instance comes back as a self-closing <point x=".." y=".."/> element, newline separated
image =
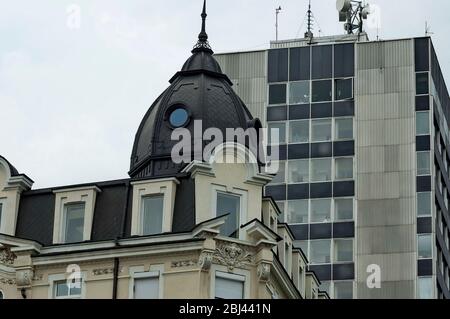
<point x="7" y="257"/>
<point x="232" y="256"/>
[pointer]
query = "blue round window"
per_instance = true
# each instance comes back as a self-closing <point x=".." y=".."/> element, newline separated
<point x="179" y="117"/>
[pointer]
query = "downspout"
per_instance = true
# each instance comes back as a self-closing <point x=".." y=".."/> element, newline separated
<point x="122" y="235"/>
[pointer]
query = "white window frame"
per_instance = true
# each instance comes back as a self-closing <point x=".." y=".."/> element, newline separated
<point x="287" y="94"/>
<point x="311" y="200"/>
<point x="154" y="271"/>
<point x="288" y="176"/>
<point x="333" y="212"/>
<point x="334" y="252"/>
<point x="433" y="293"/>
<point x="417" y="162"/>
<point x="237" y="275"/>
<point x="330" y="119"/>
<point x="52" y="279"/>
<point x="308" y="217"/>
<point x="344" y="281"/>
<point x="141" y="215"/>
<point x="289" y="132"/>
<point x="335" y="159"/>
<point x="429" y="124"/>
<point x="431" y="246"/>
<point x="335" y="137"/>
<point x="331" y="251"/>
<point x="353" y="89"/>
<point x="321" y="80"/>
<point x="64" y="219"/>
<point x="331" y="170"/>
<point x="286" y="133"/>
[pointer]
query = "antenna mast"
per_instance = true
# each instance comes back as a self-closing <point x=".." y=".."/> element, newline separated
<point x="309" y="33"/>
<point x="277" y="12"/>
<point x="353" y="13"/>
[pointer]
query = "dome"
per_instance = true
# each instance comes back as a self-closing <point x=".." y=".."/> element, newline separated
<point x="200" y="91"/>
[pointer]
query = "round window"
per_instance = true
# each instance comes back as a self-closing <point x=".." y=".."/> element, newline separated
<point x="179" y="117"/>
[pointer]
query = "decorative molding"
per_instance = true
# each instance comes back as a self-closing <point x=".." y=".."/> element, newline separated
<point x="263" y="272"/>
<point x="232" y="256"/>
<point x="24" y="277"/>
<point x="7" y="257"/>
<point x="205" y="260"/>
<point x="103" y="271"/>
<point x="183" y="263"/>
<point x="38" y="277"/>
<point x="7" y="281"/>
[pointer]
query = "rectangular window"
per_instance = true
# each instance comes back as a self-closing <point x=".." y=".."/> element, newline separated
<point x="303" y="245"/>
<point x="344" y="168"/>
<point x="343" y="89"/>
<point x="322" y="62"/>
<point x="321" y="130"/>
<point x="320" y="251"/>
<point x="344" y="60"/>
<point x="299" y="131"/>
<point x="300" y="64"/>
<point x="422" y="85"/>
<point x="423" y="204"/>
<point x="277" y="94"/>
<point x="321" y="91"/>
<point x="298" y="171"/>
<point x="423" y="163"/>
<point x="325" y="286"/>
<point x="298" y="212"/>
<point x="278" y="136"/>
<point x="280" y="178"/>
<point x="424" y="246"/>
<point x="282" y="207"/>
<point x="146" y="287"/>
<point x="229" y="286"/>
<point x="74" y="223"/>
<point x="343" y="290"/>
<point x="63" y="289"/>
<point x="228" y="204"/>
<point x="343" y="250"/>
<point x="423" y="123"/>
<point x="321" y="170"/>
<point x="320" y="210"/>
<point x="425" y="287"/>
<point x="152" y="215"/>
<point x="299" y="92"/>
<point x="344" y="129"/>
<point x="278" y="65"/>
<point x="343" y="209"/>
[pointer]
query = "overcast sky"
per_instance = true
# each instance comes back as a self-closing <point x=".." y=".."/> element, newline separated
<point x="72" y="95"/>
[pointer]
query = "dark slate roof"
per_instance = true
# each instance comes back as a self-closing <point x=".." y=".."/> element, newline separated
<point x="14" y="171"/>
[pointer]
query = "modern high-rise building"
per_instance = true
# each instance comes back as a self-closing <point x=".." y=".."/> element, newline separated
<point x="364" y="139"/>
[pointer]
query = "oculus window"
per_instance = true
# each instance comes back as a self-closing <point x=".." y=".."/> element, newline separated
<point x="299" y="92"/>
<point x="423" y="204"/>
<point x="229" y="286"/>
<point x="229" y="204"/>
<point x="424" y="243"/>
<point x="63" y="290"/>
<point x="179" y="117"/>
<point x="422" y="83"/>
<point x="277" y="94"/>
<point x="343" y="209"/>
<point x="298" y="212"/>
<point x="279" y="129"/>
<point x="423" y="123"/>
<point x="344" y="168"/>
<point x="320" y="210"/>
<point x="299" y="131"/>
<point x="321" y="130"/>
<point x="423" y="163"/>
<point x="343" y="250"/>
<point x="344" y="129"/>
<point x="321" y="91"/>
<point x="343" y="290"/>
<point x="298" y="171"/>
<point x="152" y="214"/>
<point x="343" y="89"/>
<point x="74" y="223"/>
<point x="320" y="251"/>
<point x="321" y="170"/>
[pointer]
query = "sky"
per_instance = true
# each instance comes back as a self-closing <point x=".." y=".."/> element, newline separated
<point x="76" y="77"/>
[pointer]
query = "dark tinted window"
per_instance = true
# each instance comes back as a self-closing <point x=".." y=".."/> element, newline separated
<point x="321" y="91"/>
<point x="422" y="86"/>
<point x="299" y="64"/>
<point x="322" y="62"/>
<point x="278" y="65"/>
<point x="277" y="94"/>
<point x="277" y="113"/>
<point x="422" y="54"/>
<point x="344" y="60"/>
<point x="343" y="89"/>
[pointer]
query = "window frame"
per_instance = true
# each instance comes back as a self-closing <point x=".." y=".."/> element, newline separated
<point x="335" y="91"/>
<point x="344" y="281"/>
<point x="287" y="94"/>
<point x="430" y="206"/>
<point x="311" y="181"/>
<point x="54" y="279"/>
<point x="431" y="246"/>
<point x="289" y="131"/>
<point x="288" y="211"/>
<point x="335" y="250"/>
<point x="335" y="127"/>
<point x="335" y="220"/>
<point x="64" y="221"/>
<point x="418" y="287"/>
<point x="143" y="272"/>
<point x="142" y="213"/>
<point x="335" y="160"/>
<point x="236" y="275"/>
<point x="429" y="163"/>
<point x="331" y="80"/>
<point x="330" y="240"/>
<point x="280" y="164"/>
<point x="311" y="200"/>
<point x="428" y="83"/>
<point x="311" y="138"/>
<point x="290" y="83"/>
<point x="286" y="132"/>
<point x="288" y="179"/>
<point x="429" y="123"/>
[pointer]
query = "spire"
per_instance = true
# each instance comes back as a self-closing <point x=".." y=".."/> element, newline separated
<point x="309" y="33"/>
<point x="203" y="44"/>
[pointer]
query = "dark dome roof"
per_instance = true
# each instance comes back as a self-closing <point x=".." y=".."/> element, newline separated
<point x="205" y="92"/>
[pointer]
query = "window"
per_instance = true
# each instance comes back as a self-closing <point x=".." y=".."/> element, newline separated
<point x="280" y="130"/>
<point x="179" y="117"/>
<point x="343" y="89"/>
<point x="280" y="178"/>
<point x="321" y="91"/>
<point x="422" y="86"/>
<point x="320" y="251"/>
<point x="152" y="214"/>
<point x="425" y="287"/>
<point x="321" y="130"/>
<point x="278" y="65"/>
<point x="298" y="171"/>
<point x="343" y="250"/>
<point x="320" y="210"/>
<point x="300" y="64"/>
<point x="344" y="168"/>
<point x="343" y="290"/>
<point x="423" y="123"/>
<point x="298" y="212"/>
<point x="74" y="222"/>
<point x="344" y="129"/>
<point x="229" y="286"/>
<point x="344" y="60"/>
<point x="146" y="285"/>
<point x="424" y="246"/>
<point x="321" y="170"/>
<point x="325" y="286"/>
<point x="423" y="204"/>
<point x="343" y="209"/>
<point x="282" y="207"/>
<point x="277" y="94"/>
<point x="299" y="92"/>
<point x="229" y="204"/>
<point x="299" y="132"/>
<point x="322" y="62"/>
<point x="64" y="290"/>
<point x="303" y="245"/>
<point x="423" y="163"/>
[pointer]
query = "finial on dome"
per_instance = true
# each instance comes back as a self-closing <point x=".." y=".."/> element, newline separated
<point x="203" y="44"/>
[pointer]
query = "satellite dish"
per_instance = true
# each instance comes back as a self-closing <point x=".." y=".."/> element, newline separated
<point x="343" y="5"/>
<point x="342" y="16"/>
<point x="365" y="11"/>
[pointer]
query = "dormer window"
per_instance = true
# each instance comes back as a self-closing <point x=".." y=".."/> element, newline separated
<point x="229" y="204"/>
<point x="152" y="214"/>
<point x="74" y="222"/>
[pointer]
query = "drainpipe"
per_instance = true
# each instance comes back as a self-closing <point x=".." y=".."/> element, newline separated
<point x="23" y="292"/>
<point x="116" y="277"/>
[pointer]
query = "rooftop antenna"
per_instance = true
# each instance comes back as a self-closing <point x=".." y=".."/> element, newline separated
<point x="427" y="29"/>
<point x="277" y="12"/>
<point x="353" y="13"/>
<point x="309" y="33"/>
